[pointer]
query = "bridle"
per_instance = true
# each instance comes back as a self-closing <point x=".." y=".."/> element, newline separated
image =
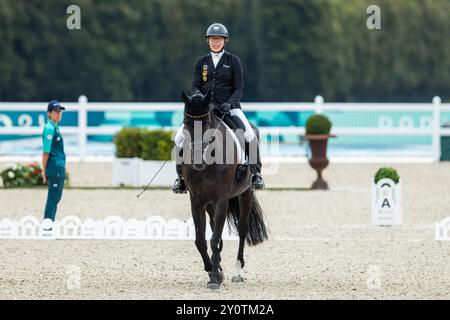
<point x="196" y="117"/>
<point x="203" y="144"/>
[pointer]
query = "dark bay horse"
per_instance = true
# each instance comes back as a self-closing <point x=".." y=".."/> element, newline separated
<point x="213" y="187"/>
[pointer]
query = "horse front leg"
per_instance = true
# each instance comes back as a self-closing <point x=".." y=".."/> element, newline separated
<point x="199" y="217"/>
<point x="216" y="275"/>
<point x="210" y="210"/>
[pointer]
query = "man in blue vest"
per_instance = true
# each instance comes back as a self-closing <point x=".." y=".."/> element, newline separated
<point x="53" y="159"/>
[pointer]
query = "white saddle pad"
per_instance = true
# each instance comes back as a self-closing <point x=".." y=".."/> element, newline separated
<point x="240" y="150"/>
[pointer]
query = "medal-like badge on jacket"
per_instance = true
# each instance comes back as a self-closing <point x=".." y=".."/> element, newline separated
<point x="205" y="73"/>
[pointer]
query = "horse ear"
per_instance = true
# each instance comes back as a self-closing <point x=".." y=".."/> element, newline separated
<point x="207" y="97"/>
<point x="186" y="99"/>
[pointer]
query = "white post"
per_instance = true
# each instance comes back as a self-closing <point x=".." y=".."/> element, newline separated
<point x="436" y="128"/>
<point x="318" y="100"/>
<point x="82" y="125"/>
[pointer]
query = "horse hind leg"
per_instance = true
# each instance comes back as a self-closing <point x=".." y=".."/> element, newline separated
<point x="245" y="205"/>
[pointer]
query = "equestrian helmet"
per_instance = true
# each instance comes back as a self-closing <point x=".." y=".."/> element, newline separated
<point x="217" y="29"/>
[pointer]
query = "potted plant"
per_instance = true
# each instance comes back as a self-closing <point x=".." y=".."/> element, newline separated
<point x="126" y="160"/>
<point x="386" y="197"/>
<point x="387" y="173"/>
<point x="140" y="153"/>
<point x="317" y="133"/>
<point x="156" y="149"/>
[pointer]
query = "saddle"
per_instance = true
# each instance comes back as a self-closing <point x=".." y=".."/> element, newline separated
<point x="233" y="123"/>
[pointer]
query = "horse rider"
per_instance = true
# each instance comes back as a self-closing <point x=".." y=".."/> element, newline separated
<point x="221" y="73"/>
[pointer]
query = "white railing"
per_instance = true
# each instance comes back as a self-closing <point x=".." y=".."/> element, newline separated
<point x="318" y="106"/>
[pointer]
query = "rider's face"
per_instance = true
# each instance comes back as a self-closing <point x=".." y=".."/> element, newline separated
<point x="216" y="43"/>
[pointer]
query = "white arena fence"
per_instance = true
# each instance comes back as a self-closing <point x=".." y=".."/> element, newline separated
<point x="116" y="228"/>
<point x="110" y="228"/>
<point x="431" y="126"/>
<point x="442" y="230"/>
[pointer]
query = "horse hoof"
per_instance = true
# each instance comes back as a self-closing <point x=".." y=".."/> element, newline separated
<point x="220" y="277"/>
<point x="213" y="286"/>
<point x="237" y="279"/>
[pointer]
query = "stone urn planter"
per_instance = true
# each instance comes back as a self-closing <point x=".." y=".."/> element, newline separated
<point x="318" y="144"/>
<point x="317" y="133"/>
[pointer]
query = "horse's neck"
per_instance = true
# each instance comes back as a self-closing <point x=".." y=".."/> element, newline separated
<point x="219" y="124"/>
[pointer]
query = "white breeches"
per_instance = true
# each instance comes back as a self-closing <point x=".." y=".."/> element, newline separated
<point x="179" y="137"/>
<point x="249" y="135"/>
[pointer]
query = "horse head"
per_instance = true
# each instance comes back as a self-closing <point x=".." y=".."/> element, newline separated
<point x="198" y="120"/>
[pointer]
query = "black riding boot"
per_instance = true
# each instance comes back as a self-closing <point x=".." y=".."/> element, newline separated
<point x="255" y="168"/>
<point x="179" y="186"/>
<point x="257" y="180"/>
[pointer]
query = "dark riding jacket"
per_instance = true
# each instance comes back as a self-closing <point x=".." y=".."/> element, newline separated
<point x="225" y="81"/>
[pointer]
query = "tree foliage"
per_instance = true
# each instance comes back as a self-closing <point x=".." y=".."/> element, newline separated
<point x="291" y="50"/>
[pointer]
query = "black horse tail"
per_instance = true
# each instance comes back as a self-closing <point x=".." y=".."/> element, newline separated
<point x="257" y="232"/>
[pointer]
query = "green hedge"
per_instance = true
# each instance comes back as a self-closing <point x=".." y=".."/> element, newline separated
<point x="127" y="143"/>
<point x="156" y="145"/>
<point x="318" y="124"/>
<point x="389" y="173"/>
<point x="144" y="144"/>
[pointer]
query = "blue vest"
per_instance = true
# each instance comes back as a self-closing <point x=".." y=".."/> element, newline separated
<point x="54" y="145"/>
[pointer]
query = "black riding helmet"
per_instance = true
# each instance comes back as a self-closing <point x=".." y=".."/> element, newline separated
<point x="217" y="29"/>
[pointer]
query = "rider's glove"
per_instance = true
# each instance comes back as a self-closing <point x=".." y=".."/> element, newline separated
<point x="224" y="107"/>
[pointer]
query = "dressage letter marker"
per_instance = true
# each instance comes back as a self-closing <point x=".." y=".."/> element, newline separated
<point x="386" y="203"/>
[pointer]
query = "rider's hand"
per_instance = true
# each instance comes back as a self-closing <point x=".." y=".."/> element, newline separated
<point x="44" y="178"/>
<point x="225" y="107"/>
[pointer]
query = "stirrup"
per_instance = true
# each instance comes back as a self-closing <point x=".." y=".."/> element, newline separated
<point x="179" y="186"/>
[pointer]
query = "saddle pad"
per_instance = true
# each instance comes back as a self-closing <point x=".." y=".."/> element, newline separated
<point x="240" y="150"/>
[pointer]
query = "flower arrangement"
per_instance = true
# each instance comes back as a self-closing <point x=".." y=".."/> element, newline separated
<point x="19" y="175"/>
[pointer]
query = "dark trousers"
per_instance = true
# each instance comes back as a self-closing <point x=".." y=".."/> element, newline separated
<point x="55" y="176"/>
